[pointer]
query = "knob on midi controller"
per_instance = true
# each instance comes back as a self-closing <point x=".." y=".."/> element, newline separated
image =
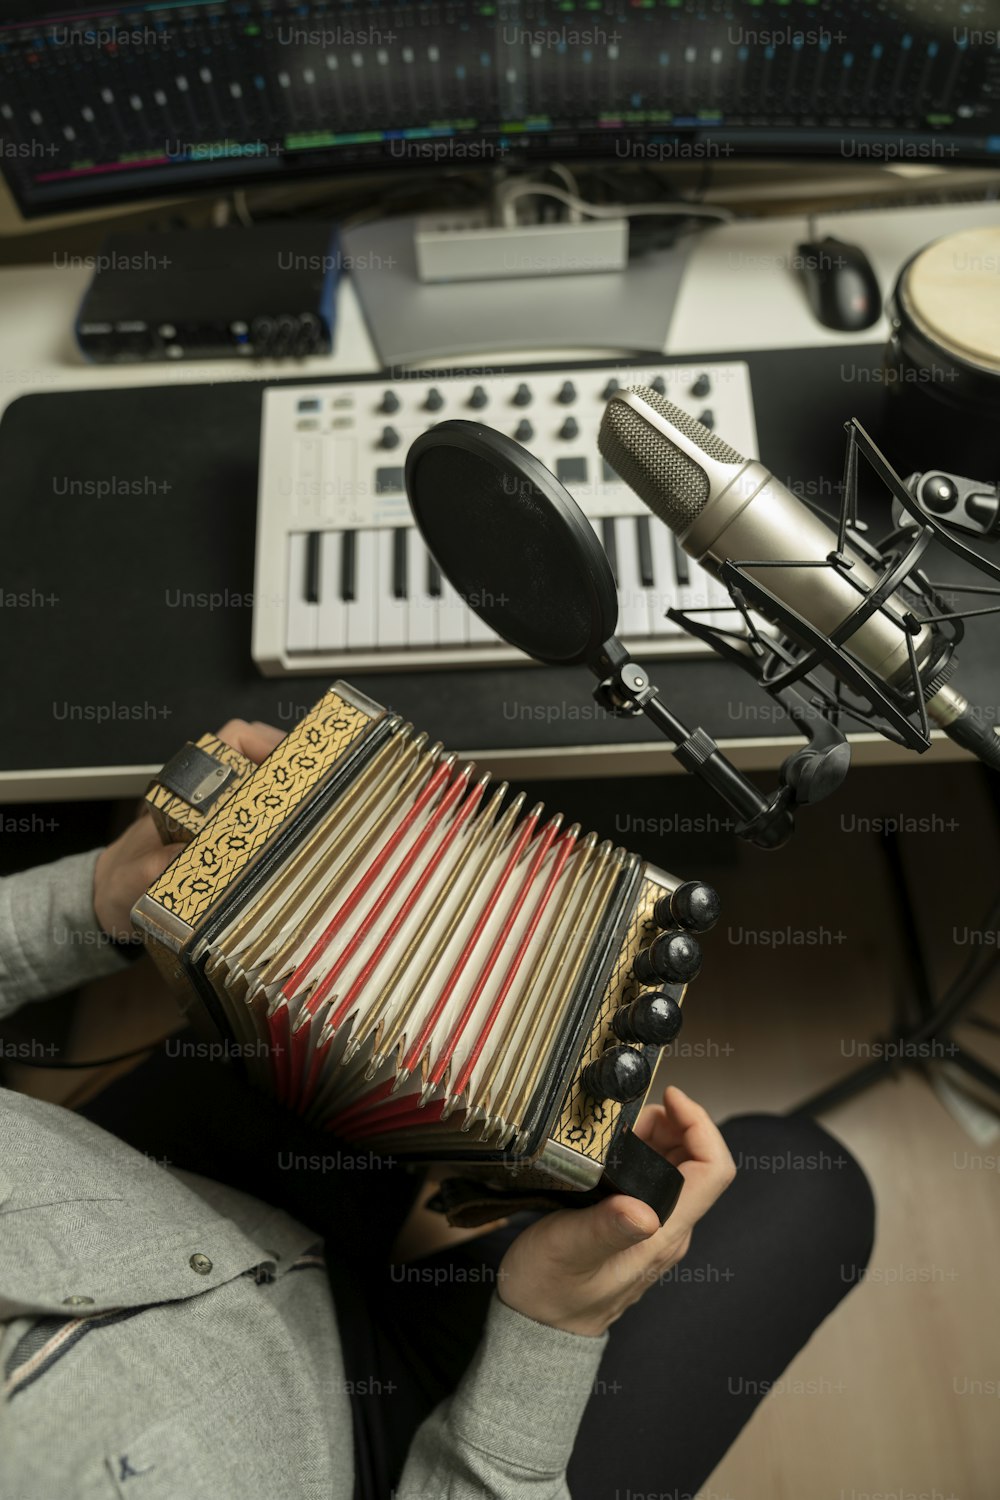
<point x="673" y="956"/>
<point x="654" y="1016"/>
<point x="620" y="1073"/>
<point x="694" y="906"/>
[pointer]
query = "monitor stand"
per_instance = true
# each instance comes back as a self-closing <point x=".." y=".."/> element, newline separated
<point x="411" y="321"/>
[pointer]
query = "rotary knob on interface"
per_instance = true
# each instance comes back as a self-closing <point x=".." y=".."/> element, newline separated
<point x="694" y="906"/>
<point x="673" y="956"/>
<point x="620" y="1073"/>
<point x="653" y="1017"/>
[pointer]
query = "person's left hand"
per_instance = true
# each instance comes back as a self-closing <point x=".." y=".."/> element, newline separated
<point x="128" y="867"/>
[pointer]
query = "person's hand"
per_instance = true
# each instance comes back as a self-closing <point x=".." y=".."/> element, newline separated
<point x="579" y="1269"/>
<point x="128" y="867"/>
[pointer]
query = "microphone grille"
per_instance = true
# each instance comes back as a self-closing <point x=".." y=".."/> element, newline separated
<point x="670" y="483"/>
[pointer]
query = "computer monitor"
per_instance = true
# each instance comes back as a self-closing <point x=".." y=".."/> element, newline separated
<point x="100" y="103"/>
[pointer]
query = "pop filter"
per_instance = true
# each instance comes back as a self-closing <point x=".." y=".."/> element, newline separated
<point x="512" y="542"/>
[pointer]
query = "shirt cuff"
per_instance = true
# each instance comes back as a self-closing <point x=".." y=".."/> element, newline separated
<point x="51" y="939"/>
<point x="524" y="1393"/>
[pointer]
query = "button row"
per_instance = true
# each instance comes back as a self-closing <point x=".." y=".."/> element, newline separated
<point x="479" y="397"/>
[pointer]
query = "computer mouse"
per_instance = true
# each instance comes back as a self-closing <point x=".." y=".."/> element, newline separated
<point x="840" y="285"/>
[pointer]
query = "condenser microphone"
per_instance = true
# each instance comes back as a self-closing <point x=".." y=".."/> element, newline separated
<point x="724" y="507"/>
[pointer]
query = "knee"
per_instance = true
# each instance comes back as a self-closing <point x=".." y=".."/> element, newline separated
<point x="808" y="1189"/>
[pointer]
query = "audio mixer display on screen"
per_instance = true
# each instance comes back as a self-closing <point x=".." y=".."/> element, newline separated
<point x="99" y="101"/>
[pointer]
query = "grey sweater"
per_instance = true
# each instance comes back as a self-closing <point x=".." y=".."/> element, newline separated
<point x="164" y="1336"/>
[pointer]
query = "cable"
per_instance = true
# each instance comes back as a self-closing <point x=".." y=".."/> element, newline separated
<point x="508" y="195"/>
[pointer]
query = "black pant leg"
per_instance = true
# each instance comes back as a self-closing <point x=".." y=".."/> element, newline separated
<point x="688" y="1364"/>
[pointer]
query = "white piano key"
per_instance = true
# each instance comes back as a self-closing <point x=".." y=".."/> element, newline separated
<point x="331" y="632"/>
<point x="633" y="601"/>
<point x="478" y="632"/>
<point x="453" y="617"/>
<point x="302" y="618"/>
<point x="422" y="608"/>
<point x="664" y="594"/>
<point x="392" y="612"/>
<point x="362" y="612"/>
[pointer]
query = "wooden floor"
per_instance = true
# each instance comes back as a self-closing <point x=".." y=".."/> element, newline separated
<point x="909" y="1366"/>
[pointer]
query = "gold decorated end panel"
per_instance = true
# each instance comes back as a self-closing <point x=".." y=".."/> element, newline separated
<point x="588" y="1125"/>
<point x="220" y="851"/>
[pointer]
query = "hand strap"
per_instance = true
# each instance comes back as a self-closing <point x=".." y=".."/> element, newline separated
<point x="193" y="785"/>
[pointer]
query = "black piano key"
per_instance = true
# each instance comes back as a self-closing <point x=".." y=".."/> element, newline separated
<point x="645" y="552"/>
<point x="433" y="578"/>
<point x="399" y="563"/>
<point x="609" y="544"/>
<point x="681" y="569"/>
<point x="312" y="567"/>
<point x="347" y="566"/>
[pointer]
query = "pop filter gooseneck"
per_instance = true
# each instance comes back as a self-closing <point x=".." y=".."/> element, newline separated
<point x="518" y="549"/>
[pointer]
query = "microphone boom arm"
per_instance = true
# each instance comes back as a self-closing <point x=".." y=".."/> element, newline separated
<point x="808" y="775"/>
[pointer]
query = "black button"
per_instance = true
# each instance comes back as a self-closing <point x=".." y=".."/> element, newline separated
<point x="522" y="396"/>
<point x="479" y="398"/>
<point x="571" y="470"/>
<point x="524" y="431"/>
<point x="620" y="1073"/>
<point x="693" y="905"/>
<point x="702" y="386"/>
<point x="653" y="1018"/>
<point x="434" y="400"/>
<point x="389" y="403"/>
<point x="389" y="482"/>
<point x="569" y="429"/>
<point x="659" y="385"/>
<point x="567" y="393"/>
<point x="707" y="418"/>
<point x="389" y="438"/>
<point x="611" y="389"/>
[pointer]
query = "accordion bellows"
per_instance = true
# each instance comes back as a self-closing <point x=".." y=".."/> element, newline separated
<point x="415" y="960"/>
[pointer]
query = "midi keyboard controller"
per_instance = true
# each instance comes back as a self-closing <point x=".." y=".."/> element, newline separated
<point x="343" y="580"/>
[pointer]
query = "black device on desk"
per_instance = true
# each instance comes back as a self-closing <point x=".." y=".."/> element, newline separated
<point x="840" y="284"/>
<point x="106" y="105"/>
<point x="266" y="292"/>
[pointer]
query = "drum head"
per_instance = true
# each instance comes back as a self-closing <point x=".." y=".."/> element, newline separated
<point x="951" y="291"/>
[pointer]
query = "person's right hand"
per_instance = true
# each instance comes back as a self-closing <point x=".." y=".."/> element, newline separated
<point x="579" y="1269"/>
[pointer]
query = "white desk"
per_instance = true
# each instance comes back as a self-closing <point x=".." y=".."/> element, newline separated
<point x="738" y="291"/>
